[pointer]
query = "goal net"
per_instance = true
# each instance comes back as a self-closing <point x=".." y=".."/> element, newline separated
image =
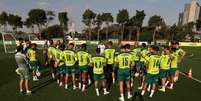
<point x="9" y="42"/>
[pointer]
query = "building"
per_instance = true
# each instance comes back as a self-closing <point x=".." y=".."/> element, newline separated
<point x="191" y="13"/>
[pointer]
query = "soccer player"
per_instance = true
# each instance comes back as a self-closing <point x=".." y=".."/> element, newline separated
<point x="173" y="66"/>
<point x="84" y="58"/>
<point x="52" y="57"/>
<point x="109" y="54"/>
<point x="124" y="61"/>
<point x="58" y="63"/>
<point x="141" y="65"/>
<point x="153" y="62"/>
<point x="98" y="63"/>
<point x="70" y="58"/>
<point x="132" y="69"/>
<point x="165" y="61"/>
<point x="22" y="69"/>
<point x="180" y="53"/>
<point x="32" y="56"/>
<point x="61" y="64"/>
<point x="101" y="46"/>
<point x="135" y="53"/>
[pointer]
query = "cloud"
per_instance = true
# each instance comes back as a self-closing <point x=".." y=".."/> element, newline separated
<point x="43" y="4"/>
<point x="152" y="0"/>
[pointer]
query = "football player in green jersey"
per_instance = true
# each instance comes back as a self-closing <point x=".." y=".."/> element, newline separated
<point x="61" y="64"/>
<point x="84" y="58"/>
<point x="165" y="61"/>
<point x="124" y="61"/>
<point x="98" y="62"/>
<point x="153" y="62"/>
<point x="180" y="54"/>
<point x="109" y="54"/>
<point x="141" y="66"/>
<point x="51" y="57"/>
<point x="70" y="58"/>
<point x="173" y="66"/>
<point x="32" y="56"/>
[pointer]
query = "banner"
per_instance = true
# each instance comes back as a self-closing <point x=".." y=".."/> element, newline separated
<point x="194" y="44"/>
<point x="78" y="42"/>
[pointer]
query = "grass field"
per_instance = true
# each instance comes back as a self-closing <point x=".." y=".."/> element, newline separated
<point x="48" y="90"/>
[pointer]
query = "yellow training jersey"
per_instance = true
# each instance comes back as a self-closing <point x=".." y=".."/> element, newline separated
<point x="165" y="61"/>
<point x="153" y="62"/>
<point x="32" y="54"/>
<point x="98" y="64"/>
<point x="70" y="57"/>
<point x="174" y="62"/>
<point x="51" y="53"/>
<point x="109" y="55"/>
<point x="124" y="60"/>
<point x="84" y="58"/>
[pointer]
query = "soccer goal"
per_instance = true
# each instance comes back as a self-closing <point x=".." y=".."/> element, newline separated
<point x="9" y="42"/>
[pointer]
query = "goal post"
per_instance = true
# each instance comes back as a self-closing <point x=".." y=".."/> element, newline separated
<point x="9" y="42"/>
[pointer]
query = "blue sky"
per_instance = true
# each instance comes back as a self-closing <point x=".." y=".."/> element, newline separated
<point x="168" y="9"/>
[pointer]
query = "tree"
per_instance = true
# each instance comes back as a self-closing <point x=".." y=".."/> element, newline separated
<point x="39" y="18"/>
<point x="50" y="17"/>
<point x="107" y="18"/>
<point x="155" y="22"/>
<point x="138" y="21"/>
<point x="98" y="22"/>
<point x="54" y="31"/>
<point x="4" y="20"/>
<point x="122" y="18"/>
<point x="29" y="24"/>
<point x="88" y="18"/>
<point x="15" y="21"/>
<point x="63" y="19"/>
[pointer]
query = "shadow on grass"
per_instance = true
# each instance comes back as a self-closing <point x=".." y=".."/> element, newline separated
<point x="42" y="85"/>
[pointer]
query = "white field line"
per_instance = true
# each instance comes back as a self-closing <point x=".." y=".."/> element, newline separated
<point x="195" y="79"/>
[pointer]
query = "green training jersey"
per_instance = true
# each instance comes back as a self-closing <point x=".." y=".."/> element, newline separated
<point x="98" y="64"/>
<point x="153" y="63"/>
<point x="51" y="53"/>
<point x="143" y="53"/>
<point x="84" y="58"/>
<point x="174" y="62"/>
<point x="135" y="53"/>
<point x="61" y="58"/>
<point x="70" y="57"/>
<point x="124" y="60"/>
<point x="165" y="61"/>
<point x="109" y="55"/>
<point x="32" y="54"/>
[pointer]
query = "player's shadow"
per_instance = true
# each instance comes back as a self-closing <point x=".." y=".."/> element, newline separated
<point x="41" y="85"/>
<point x="137" y="97"/>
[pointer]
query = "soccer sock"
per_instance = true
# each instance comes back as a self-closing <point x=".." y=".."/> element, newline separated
<point x="129" y="93"/>
<point x="21" y="90"/>
<point x="113" y="80"/>
<point x="149" y="87"/>
<point x="80" y="85"/>
<point x="142" y="93"/>
<point x="83" y="88"/>
<point x="167" y="82"/>
<point x="122" y="96"/>
<point x="97" y="92"/>
<point x="152" y="93"/>
<point x="89" y="81"/>
<point x="104" y="89"/>
<point x="163" y="87"/>
<point x="171" y="86"/>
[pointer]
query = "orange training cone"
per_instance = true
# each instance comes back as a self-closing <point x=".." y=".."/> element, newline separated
<point x="190" y="73"/>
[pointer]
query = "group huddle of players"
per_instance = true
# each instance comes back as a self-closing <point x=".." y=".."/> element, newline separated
<point x="153" y="64"/>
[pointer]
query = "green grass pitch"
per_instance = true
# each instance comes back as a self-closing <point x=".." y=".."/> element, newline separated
<point x="48" y="90"/>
